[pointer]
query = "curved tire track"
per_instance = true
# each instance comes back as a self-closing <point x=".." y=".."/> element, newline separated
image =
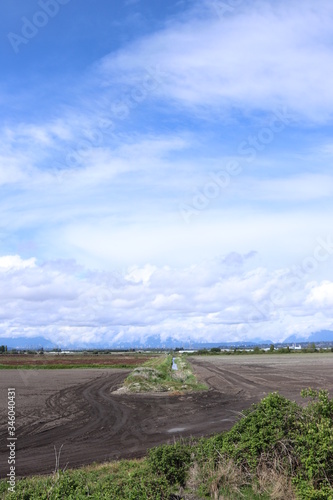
<point x="95" y="424"/>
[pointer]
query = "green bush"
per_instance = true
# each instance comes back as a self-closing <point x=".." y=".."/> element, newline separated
<point x="314" y="445"/>
<point x="207" y="450"/>
<point x="264" y="429"/>
<point x="281" y="434"/>
<point x="138" y="484"/>
<point x="172" y="461"/>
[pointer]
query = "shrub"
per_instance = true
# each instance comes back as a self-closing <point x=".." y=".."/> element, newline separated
<point x="284" y="439"/>
<point x="314" y="445"/>
<point x="264" y="429"/>
<point x="172" y="461"/>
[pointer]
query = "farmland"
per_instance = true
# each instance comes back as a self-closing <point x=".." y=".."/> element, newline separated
<point x="82" y="410"/>
<point x="86" y="360"/>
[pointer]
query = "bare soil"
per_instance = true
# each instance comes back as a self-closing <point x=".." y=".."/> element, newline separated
<point x="80" y="410"/>
<point x="72" y="359"/>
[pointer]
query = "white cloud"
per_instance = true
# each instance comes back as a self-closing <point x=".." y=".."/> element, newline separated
<point x="262" y="55"/>
<point x="294" y="188"/>
<point x="14" y="262"/>
<point x="321" y="296"/>
<point x="280" y="238"/>
<point x="225" y="299"/>
<point x="140" y="275"/>
<point x="178" y="104"/>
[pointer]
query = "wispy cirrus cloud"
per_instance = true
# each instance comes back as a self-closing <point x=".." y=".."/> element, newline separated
<point x="253" y="59"/>
<point x="96" y="165"/>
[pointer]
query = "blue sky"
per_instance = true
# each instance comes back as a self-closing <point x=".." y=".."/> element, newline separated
<point x="165" y="168"/>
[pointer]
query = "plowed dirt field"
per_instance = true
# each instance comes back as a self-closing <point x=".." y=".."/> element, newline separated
<point x="79" y="409"/>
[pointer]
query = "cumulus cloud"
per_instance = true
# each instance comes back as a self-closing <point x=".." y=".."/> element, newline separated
<point x="224" y="299"/>
<point x="321" y="296"/>
<point x="10" y="262"/>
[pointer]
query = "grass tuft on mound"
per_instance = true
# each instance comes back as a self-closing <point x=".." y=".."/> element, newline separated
<point x="157" y="375"/>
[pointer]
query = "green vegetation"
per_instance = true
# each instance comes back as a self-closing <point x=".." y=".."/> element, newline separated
<point x="277" y="450"/>
<point x="311" y="348"/>
<point x="156" y="375"/>
<point x="122" y="480"/>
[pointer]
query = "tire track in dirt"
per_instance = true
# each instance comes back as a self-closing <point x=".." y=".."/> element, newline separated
<point x="93" y="423"/>
<point x="105" y="411"/>
<point x="228" y="381"/>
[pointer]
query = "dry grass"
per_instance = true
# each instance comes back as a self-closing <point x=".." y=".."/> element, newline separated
<point x="192" y="484"/>
<point x="228" y="481"/>
<point x="275" y="483"/>
<point x="226" y="476"/>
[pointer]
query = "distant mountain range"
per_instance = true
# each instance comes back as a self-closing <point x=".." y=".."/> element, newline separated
<point x="322" y="336"/>
<point x="170" y="342"/>
<point x="153" y="342"/>
<point x="156" y="342"/>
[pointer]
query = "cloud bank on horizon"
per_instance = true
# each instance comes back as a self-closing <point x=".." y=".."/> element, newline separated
<point x="166" y="170"/>
<point x="224" y="299"/>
